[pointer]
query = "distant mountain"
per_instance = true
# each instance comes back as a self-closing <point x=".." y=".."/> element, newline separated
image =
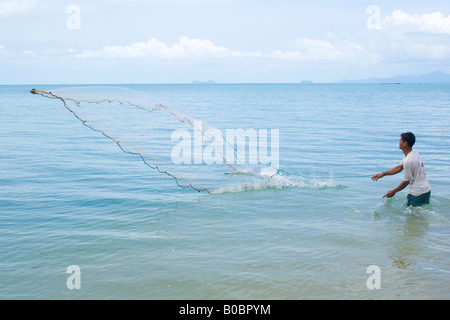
<point x="434" y="77"/>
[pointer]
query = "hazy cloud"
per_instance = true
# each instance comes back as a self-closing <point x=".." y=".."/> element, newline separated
<point x="402" y="22"/>
<point x="414" y="37"/>
<point x="306" y="49"/>
<point x="13" y="7"/>
<point x="185" y="48"/>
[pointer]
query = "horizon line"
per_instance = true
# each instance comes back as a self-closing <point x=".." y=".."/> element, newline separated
<point x="216" y="83"/>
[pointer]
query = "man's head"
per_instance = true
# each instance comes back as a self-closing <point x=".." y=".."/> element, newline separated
<point x="407" y="140"/>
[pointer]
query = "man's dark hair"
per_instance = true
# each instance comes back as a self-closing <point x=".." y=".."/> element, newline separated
<point x="409" y="137"/>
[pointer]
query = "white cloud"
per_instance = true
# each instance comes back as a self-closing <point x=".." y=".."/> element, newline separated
<point x="2" y="50"/>
<point x="402" y="22"/>
<point x="408" y="37"/>
<point x="28" y="53"/>
<point x="317" y="49"/>
<point x="185" y="48"/>
<point x="305" y="49"/>
<point x="13" y="7"/>
<point x="334" y="50"/>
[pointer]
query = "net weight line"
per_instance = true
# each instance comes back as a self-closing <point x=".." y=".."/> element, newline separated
<point x="119" y="144"/>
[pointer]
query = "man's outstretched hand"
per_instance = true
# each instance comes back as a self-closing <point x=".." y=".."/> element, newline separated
<point x="378" y="176"/>
<point x="390" y="194"/>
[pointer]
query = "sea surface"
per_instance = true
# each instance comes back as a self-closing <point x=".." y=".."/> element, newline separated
<point x="69" y="196"/>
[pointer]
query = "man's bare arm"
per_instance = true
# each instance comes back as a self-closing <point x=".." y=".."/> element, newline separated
<point x="392" y="193"/>
<point x="391" y="172"/>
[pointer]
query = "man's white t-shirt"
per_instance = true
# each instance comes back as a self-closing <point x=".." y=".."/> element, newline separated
<point x="415" y="173"/>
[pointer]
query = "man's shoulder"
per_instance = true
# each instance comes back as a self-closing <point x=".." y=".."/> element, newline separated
<point x="412" y="155"/>
<point x="411" y="159"/>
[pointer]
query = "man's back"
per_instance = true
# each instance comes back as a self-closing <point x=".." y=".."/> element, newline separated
<point x="415" y="173"/>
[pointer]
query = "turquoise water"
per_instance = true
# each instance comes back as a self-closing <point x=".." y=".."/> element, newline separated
<point x="69" y="196"/>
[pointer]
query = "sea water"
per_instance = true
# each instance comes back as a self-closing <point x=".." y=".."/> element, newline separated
<point x="69" y="197"/>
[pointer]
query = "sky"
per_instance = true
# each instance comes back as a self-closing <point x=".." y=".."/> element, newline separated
<point x="228" y="41"/>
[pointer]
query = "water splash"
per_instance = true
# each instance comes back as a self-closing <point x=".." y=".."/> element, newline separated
<point x="397" y="208"/>
<point x="273" y="179"/>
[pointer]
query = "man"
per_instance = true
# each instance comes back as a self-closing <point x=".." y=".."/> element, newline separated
<point x="415" y="174"/>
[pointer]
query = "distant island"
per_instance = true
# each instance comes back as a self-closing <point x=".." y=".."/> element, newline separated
<point x="204" y="82"/>
<point x="437" y="76"/>
<point x="306" y="82"/>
